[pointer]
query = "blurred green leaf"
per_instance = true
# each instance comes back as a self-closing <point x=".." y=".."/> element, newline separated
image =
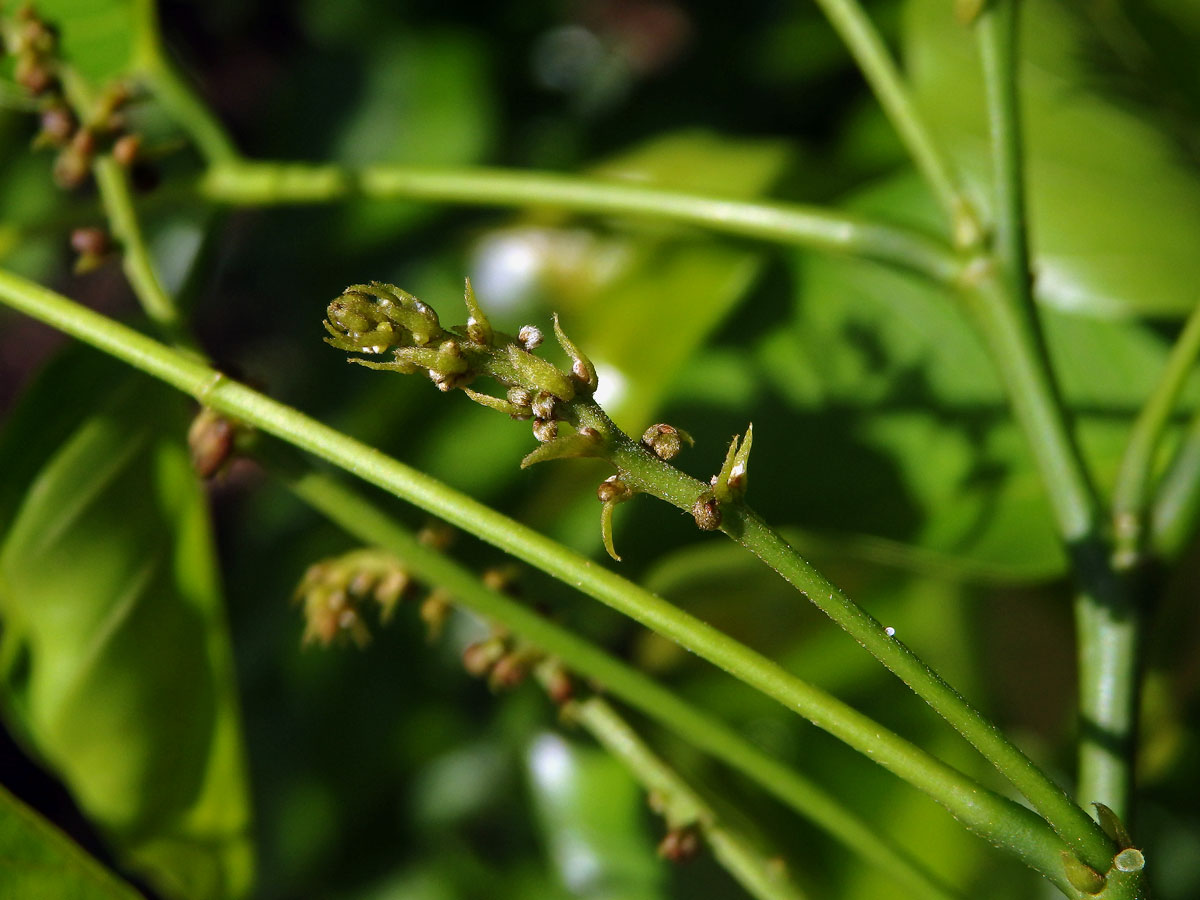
<point x="593" y="819"/>
<point x="39" y="861"/>
<point x="886" y="374"/>
<point x="96" y="35"/>
<point x="116" y="664"/>
<point x="1115" y="209"/>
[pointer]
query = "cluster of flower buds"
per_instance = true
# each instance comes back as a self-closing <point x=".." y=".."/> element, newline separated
<point x="336" y="591"/>
<point x="376" y="318"/>
<point x="502" y="660"/>
<point x="35" y="46"/>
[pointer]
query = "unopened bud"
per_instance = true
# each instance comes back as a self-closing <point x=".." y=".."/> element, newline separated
<point x="543" y="405"/>
<point x="707" y="512"/>
<point x="530" y="337"/>
<point x="680" y="845"/>
<point x="210" y="442"/>
<point x="665" y="440"/>
<point x="127" y="149"/>
<point x="612" y="488"/>
<point x="509" y="671"/>
<point x="545" y="430"/>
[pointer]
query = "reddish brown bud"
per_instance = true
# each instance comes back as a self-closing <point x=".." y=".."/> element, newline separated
<point x="127" y="149"/>
<point x="707" y="512"/>
<point x="509" y="672"/>
<point x="679" y="845"/>
<point x="559" y="687"/>
<point x="210" y="440"/>
<point x="612" y="488"/>
<point x="90" y="241"/>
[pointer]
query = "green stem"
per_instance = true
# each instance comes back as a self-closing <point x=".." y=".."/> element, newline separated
<point x="1107" y="625"/>
<point x="997" y="29"/>
<point x="117" y="198"/>
<point x="359" y="517"/>
<point x="1176" y="512"/>
<point x="1131" y="494"/>
<point x="152" y="64"/>
<point x="999" y="820"/>
<point x="682" y="806"/>
<point x="643" y="471"/>
<point x="877" y="65"/>
<point x="251" y="184"/>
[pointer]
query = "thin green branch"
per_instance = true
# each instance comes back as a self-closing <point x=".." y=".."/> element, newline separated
<point x="682" y="806"/>
<point x="263" y="184"/>
<point x="643" y="471"/>
<point x="997" y="29"/>
<point x="153" y="65"/>
<point x="881" y="72"/>
<point x="1001" y="821"/>
<point x="364" y="520"/>
<point x="1176" y="509"/>
<point x="117" y="198"/>
<point x="1135" y="478"/>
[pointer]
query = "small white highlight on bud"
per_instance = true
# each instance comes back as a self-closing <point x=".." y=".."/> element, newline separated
<point x="530" y="337"/>
<point x="889" y="631"/>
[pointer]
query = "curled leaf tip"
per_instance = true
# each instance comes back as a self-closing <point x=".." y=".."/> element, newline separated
<point x="611" y="492"/>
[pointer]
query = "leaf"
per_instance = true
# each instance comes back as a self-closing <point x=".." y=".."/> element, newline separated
<point x="115" y="660"/>
<point x="96" y="36"/>
<point x="903" y="431"/>
<point x="41" y="861"/>
<point x="1115" y="209"/>
<point x="592" y="818"/>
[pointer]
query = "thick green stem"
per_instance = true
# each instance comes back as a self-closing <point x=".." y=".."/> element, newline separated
<point x="1107" y="625"/>
<point x="249" y="184"/>
<point x="877" y="65"/>
<point x="1002" y="822"/>
<point x="365" y="521"/>
<point x="682" y="806"/>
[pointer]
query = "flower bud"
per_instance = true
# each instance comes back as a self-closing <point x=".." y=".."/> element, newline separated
<point x="707" y="512"/>
<point x="665" y="441"/>
<point x="545" y="430"/>
<point x="680" y="845"/>
<point x="127" y="149"/>
<point x="530" y="337"/>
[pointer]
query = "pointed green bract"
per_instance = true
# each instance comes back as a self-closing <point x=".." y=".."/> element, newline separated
<point x="569" y="446"/>
<point x="581" y="366"/>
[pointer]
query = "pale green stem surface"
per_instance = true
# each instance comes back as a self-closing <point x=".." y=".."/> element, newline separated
<point x="878" y="67"/>
<point x="1135" y="478"/>
<point x="365" y="521"/>
<point x="264" y="184"/>
<point x="999" y="820"/>
<point x="682" y="806"/>
<point x="1176" y="509"/>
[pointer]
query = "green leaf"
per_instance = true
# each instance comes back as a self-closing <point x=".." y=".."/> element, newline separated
<point x="593" y="819"/>
<point x="115" y="659"/>
<point x="1115" y="209"/>
<point x="38" y="860"/>
<point x="96" y="36"/>
<point x="911" y="438"/>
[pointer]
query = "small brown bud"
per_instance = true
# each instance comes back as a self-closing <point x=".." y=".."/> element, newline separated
<point x="530" y="337"/>
<point x="559" y="687"/>
<point x="91" y="241"/>
<point x="435" y="610"/>
<point x="680" y="845"/>
<point x="33" y="74"/>
<point x="127" y="149"/>
<point x="509" y="671"/>
<point x="545" y="430"/>
<point x="478" y="658"/>
<point x="543" y="405"/>
<point x="707" y="512"/>
<point x="665" y="441"/>
<point x="436" y="535"/>
<point x="58" y="126"/>
<point x="612" y="488"/>
<point x="210" y="441"/>
<point x="520" y="397"/>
